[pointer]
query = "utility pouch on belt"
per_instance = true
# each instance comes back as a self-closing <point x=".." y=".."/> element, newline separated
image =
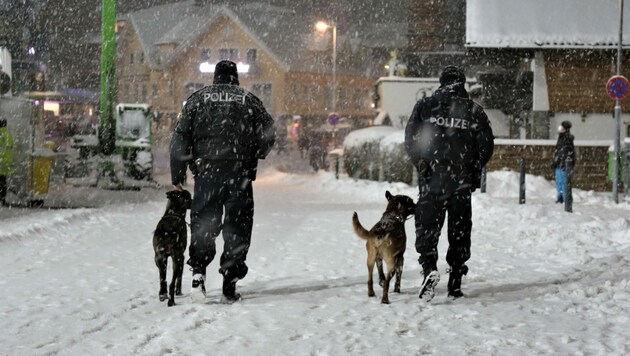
<point x="198" y="166"/>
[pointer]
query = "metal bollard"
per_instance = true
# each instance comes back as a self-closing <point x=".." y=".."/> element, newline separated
<point x="484" y="172"/>
<point x="521" y="195"/>
<point x="568" y="194"/>
<point x="337" y="167"/>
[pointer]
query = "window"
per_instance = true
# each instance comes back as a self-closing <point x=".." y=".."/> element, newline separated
<point x="343" y="98"/>
<point x="252" y="56"/>
<point x="263" y="92"/>
<point x="228" y="31"/>
<point x="154" y="90"/>
<point x="144" y="92"/>
<point x="314" y="94"/>
<point x="357" y="99"/>
<point x="130" y="58"/>
<point x="228" y="53"/>
<point x="204" y="54"/>
<point x="141" y="57"/>
<point x="296" y="92"/>
<point x="327" y="97"/>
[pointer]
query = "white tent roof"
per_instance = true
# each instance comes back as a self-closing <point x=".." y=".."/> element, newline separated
<point x="545" y="23"/>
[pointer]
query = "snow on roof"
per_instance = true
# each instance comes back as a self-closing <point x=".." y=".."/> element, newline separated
<point x="153" y="23"/>
<point x="286" y="34"/>
<point x="545" y="23"/>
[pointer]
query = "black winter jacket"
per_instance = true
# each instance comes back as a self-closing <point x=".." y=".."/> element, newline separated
<point x="221" y="122"/>
<point x="564" y="155"/>
<point x="449" y="139"/>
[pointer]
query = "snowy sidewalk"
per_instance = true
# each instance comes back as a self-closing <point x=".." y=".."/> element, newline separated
<point x="541" y="281"/>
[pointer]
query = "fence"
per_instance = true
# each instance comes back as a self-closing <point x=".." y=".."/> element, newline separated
<point x="369" y="161"/>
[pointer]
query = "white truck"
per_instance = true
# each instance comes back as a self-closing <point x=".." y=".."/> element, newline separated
<point x="133" y="140"/>
<point x="396" y="96"/>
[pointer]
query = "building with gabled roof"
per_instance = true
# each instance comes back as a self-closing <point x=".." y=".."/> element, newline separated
<point x="569" y="50"/>
<point x="163" y="52"/>
<point x="539" y="62"/>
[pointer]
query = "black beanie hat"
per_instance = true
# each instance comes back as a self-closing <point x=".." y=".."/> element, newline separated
<point x="3" y="122"/>
<point x="452" y="74"/>
<point x="566" y="124"/>
<point x="225" y="72"/>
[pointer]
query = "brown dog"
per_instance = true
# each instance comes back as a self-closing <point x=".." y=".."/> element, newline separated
<point x="170" y="239"/>
<point x="387" y="241"/>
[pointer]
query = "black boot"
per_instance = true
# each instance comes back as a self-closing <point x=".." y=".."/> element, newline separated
<point x="455" y="281"/>
<point x="229" y="291"/>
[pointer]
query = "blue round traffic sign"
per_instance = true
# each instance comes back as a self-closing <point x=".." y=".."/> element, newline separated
<point x="618" y="87"/>
<point x="333" y="118"/>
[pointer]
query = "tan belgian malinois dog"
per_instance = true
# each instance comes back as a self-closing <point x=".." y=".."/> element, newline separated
<point x="387" y="241"/>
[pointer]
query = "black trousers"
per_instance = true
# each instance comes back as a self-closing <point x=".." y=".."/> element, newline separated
<point x="431" y="211"/>
<point x="3" y="188"/>
<point x="224" y="187"/>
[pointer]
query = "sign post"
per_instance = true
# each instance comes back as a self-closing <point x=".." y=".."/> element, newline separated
<point x="618" y="88"/>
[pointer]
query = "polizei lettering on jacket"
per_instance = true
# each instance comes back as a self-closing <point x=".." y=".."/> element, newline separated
<point x="450" y="122"/>
<point x="224" y="97"/>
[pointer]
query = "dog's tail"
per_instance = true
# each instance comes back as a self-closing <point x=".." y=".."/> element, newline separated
<point x="358" y="228"/>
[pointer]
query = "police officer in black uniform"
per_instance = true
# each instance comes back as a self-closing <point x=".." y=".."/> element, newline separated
<point x="449" y="139"/>
<point x="222" y="133"/>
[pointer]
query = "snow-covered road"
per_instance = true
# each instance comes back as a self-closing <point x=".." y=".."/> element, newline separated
<point x="541" y="281"/>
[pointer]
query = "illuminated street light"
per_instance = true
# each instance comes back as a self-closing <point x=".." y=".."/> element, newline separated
<point x="323" y="27"/>
<point x="207" y="67"/>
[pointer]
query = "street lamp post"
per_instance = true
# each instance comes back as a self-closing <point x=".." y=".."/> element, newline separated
<point x="323" y="26"/>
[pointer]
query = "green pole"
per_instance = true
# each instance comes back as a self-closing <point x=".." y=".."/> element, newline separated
<point x="106" y="130"/>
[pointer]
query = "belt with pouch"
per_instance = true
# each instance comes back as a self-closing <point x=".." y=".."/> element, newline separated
<point x="200" y="165"/>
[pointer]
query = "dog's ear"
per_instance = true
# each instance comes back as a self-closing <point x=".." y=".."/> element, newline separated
<point x="388" y="195"/>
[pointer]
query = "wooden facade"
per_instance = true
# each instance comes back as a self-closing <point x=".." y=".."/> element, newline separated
<point x="283" y="91"/>
<point x="576" y="79"/>
<point x="590" y="172"/>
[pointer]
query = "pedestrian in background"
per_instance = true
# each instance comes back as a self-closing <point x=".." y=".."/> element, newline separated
<point x="223" y="132"/>
<point x="563" y="159"/>
<point x="6" y="159"/>
<point x="448" y="139"/>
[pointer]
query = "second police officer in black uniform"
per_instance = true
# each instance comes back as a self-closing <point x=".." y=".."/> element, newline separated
<point x="448" y="139"/>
